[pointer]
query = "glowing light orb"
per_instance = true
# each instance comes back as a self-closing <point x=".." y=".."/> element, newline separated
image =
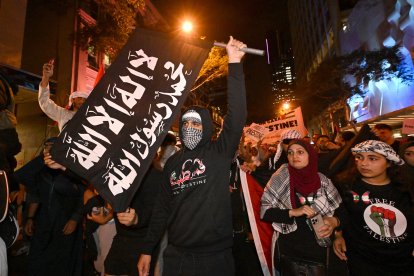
<point x="187" y="26"/>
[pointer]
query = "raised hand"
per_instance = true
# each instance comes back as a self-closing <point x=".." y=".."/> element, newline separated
<point x="233" y="50"/>
<point x="47" y="73"/>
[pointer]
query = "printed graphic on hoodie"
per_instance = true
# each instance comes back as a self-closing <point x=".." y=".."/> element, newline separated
<point x="192" y="174"/>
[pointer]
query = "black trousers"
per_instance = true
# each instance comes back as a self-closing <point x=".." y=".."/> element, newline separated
<point x="178" y="262"/>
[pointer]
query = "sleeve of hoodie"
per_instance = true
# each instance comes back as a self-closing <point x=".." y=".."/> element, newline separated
<point x="236" y="110"/>
<point x="159" y="218"/>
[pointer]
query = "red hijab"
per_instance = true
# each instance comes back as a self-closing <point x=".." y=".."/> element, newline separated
<point x="306" y="180"/>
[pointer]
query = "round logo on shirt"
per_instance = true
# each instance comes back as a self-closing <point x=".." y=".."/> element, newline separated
<point x="385" y="220"/>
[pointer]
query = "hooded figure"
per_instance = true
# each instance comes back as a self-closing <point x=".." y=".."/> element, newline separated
<point x="194" y="200"/>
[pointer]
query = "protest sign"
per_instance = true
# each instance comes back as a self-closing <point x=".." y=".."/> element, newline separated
<point x="256" y="132"/>
<point x="408" y="126"/>
<point x="292" y="120"/>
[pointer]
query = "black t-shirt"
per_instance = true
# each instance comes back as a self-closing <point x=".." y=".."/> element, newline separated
<point x="380" y="226"/>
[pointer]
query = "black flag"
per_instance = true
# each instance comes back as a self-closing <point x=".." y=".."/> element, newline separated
<point x="113" y="138"/>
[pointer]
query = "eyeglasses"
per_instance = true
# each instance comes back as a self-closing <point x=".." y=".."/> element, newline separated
<point x="287" y="141"/>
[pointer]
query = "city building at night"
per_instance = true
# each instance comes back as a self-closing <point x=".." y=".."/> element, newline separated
<point x="283" y="80"/>
<point x="338" y="28"/>
<point x="375" y="25"/>
<point x="44" y="30"/>
<point x="312" y="31"/>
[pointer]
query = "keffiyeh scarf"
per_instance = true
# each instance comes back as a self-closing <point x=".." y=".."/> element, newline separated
<point x="191" y="137"/>
<point x="277" y="195"/>
<point x="378" y="147"/>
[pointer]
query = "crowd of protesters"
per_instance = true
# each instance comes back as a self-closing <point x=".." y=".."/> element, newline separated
<point x="341" y="205"/>
<point x="361" y="183"/>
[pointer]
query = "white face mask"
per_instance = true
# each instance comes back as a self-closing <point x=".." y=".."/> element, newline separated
<point x="191" y="137"/>
<point x="168" y="152"/>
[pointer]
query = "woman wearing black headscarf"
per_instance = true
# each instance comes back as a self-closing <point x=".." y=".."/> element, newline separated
<point x="293" y="199"/>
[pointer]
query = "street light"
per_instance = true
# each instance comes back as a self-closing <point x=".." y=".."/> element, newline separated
<point x="187" y="26"/>
<point x="286" y="106"/>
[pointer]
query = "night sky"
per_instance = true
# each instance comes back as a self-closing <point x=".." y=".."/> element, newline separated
<point x="249" y="21"/>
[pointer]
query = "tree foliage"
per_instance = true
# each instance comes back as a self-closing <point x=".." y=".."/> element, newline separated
<point x="214" y="67"/>
<point x="115" y="22"/>
<point x="339" y="78"/>
<point x="385" y="64"/>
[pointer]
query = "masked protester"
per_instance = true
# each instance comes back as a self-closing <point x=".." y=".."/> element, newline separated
<point x="194" y="201"/>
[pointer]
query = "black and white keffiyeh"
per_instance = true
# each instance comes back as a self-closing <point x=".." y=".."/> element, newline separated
<point x="191" y="137"/>
<point x="277" y="195"/>
<point x="191" y="115"/>
<point x="379" y="147"/>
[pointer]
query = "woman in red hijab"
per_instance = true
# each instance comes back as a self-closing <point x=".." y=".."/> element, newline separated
<point x="297" y="200"/>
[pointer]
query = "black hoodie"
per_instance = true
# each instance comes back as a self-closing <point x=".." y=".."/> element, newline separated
<point x="194" y="201"/>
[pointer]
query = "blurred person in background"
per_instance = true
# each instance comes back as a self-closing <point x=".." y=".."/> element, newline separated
<point x="385" y="134"/>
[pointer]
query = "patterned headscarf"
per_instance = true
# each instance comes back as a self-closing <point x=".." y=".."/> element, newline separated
<point x="288" y="134"/>
<point x="380" y="148"/>
<point x="191" y="115"/>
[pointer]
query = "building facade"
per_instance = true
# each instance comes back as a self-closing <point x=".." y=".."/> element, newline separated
<point x="44" y="30"/>
<point x="321" y="29"/>
<point x="373" y="25"/>
<point x="312" y="25"/>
